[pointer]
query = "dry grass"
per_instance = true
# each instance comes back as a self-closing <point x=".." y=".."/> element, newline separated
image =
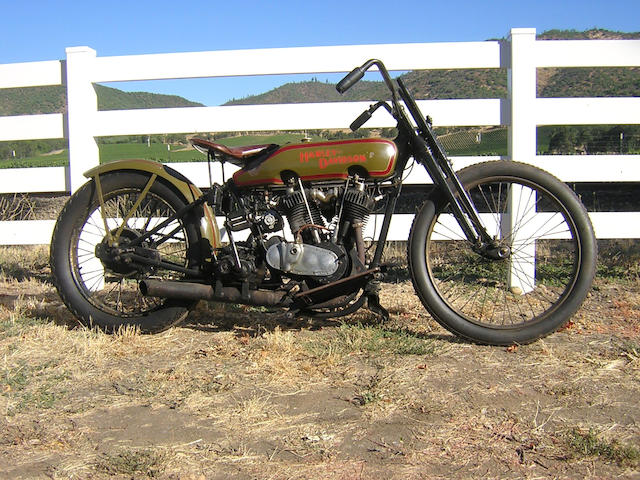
<point x="17" y="207"/>
<point x="234" y="393"/>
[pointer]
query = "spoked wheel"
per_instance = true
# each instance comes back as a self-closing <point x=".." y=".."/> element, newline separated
<point x="95" y="271"/>
<point x="541" y="282"/>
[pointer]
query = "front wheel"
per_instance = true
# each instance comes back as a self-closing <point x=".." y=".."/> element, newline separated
<point x="534" y="290"/>
<point x="100" y="285"/>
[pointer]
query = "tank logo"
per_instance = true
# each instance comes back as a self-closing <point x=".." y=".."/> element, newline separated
<point x="305" y="156"/>
<point x="330" y="157"/>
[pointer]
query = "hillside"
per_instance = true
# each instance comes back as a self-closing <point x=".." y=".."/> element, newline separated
<point x="35" y="100"/>
<point x="114" y="99"/>
<point x="23" y="101"/>
<point x="480" y="83"/>
<point x="477" y="83"/>
<point x="592" y="34"/>
<point x="589" y="82"/>
<point x="313" y="91"/>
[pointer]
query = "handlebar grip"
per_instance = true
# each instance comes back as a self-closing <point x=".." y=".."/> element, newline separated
<point x="352" y="77"/>
<point x="361" y="120"/>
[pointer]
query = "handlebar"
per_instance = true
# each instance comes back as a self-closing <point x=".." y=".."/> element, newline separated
<point x="366" y="115"/>
<point x="396" y="110"/>
<point x="361" y="120"/>
<point x="357" y="73"/>
<point x="350" y="80"/>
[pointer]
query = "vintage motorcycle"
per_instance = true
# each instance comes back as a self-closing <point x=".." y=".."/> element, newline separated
<point x="499" y="252"/>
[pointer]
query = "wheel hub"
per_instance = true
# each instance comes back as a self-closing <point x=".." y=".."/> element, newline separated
<point x="118" y="258"/>
<point x="495" y="251"/>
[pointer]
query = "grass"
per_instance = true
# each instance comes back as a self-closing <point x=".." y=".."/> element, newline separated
<point x="475" y="142"/>
<point x="492" y="144"/>
<point x="145" y="462"/>
<point x="18" y="264"/>
<point x="372" y="339"/>
<point x="31" y="386"/>
<point x="156" y="151"/>
<point x="461" y="142"/>
<point x="630" y="350"/>
<point x="14" y="325"/>
<point x="279" y="139"/>
<point x="15" y="379"/>
<point x="618" y="259"/>
<point x="56" y="160"/>
<point x="590" y="444"/>
<point x="235" y="393"/>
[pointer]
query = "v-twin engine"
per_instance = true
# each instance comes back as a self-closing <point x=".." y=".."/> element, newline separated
<point x="326" y="221"/>
<point x="320" y="248"/>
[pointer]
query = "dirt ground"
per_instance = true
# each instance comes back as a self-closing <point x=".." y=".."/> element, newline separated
<point x="238" y="393"/>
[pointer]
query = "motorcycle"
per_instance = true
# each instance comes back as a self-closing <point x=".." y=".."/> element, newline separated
<point x="499" y="253"/>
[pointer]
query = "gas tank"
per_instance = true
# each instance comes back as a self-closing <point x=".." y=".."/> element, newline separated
<point x="372" y="157"/>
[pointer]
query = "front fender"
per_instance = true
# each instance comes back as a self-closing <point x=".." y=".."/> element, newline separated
<point x="186" y="188"/>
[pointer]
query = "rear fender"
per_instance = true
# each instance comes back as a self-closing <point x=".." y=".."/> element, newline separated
<point x="186" y="188"/>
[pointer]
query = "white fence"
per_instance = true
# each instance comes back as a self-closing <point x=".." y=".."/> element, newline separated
<point x="522" y="112"/>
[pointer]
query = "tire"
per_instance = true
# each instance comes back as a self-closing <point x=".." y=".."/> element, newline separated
<point x="106" y="295"/>
<point x="537" y="288"/>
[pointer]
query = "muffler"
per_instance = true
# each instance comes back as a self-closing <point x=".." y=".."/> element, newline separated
<point x="199" y="291"/>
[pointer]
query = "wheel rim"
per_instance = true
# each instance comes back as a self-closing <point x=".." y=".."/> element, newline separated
<point x="115" y="290"/>
<point x="537" y="277"/>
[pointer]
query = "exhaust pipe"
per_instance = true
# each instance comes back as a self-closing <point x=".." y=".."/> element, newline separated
<point x="199" y="291"/>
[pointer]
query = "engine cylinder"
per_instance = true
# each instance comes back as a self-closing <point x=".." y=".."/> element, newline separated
<point x="357" y="206"/>
<point x="296" y="211"/>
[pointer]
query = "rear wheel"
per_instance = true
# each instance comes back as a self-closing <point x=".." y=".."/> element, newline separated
<point x="531" y="293"/>
<point x="99" y="284"/>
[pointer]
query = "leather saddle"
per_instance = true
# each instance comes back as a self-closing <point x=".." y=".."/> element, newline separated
<point x="247" y="156"/>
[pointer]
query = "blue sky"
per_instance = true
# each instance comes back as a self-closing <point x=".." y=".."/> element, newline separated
<point x="42" y="29"/>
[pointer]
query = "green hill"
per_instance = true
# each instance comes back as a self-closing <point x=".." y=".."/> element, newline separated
<point x="114" y="99"/>
<point x="34" y="100"/>
<point x="476" y="83"/>
<point x="589" y="82"/>
<point x="480" y="83"/>
<point x="464" y="83"/>
<point x="314" y="91"/>
<point x="24" y="101"/>
<point x="592" y="34"/>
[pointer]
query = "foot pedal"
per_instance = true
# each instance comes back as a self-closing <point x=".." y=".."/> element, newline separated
<point x="326" y="292"/>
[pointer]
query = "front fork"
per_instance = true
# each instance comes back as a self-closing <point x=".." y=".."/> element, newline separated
<point x="432" y="156"/>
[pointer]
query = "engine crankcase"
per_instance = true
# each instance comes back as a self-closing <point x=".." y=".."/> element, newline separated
<point x="303" y="259"/>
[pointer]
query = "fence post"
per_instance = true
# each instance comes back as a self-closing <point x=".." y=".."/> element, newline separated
<point x="521" y="85"/>
<point x="82" y="106"/>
